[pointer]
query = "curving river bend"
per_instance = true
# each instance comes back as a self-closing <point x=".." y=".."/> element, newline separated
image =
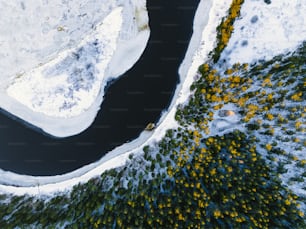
<point x="134" y="100"/>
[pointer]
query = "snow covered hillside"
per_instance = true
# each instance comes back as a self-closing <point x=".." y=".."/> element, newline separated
<point x="265" y="30"/>
<point x="56" y="65"/>
<point x="270" y="37"/>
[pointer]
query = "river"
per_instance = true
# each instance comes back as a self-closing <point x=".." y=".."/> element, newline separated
<point x="130" y="103"/>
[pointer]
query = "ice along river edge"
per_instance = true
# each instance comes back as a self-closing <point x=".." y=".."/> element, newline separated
<point x="208" y="16"/>
<point x="37" y="95"/>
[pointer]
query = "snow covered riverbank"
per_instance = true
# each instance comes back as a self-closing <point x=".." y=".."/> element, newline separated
<point x="207" y="18"/>
<point x="62" y="94"/>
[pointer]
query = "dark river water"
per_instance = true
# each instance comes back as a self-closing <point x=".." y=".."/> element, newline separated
<point x="130" y="103"/>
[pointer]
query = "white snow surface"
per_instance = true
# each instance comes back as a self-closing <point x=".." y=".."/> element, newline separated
<point x="58" y="84"/>
<point x="207" y="18"/>
<point x="69" y="84"/>
<point x="30" y="30"/>
<point x="266" y="30"/>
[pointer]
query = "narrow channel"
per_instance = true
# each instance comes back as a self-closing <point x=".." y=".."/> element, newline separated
<point x="135" y="99"/>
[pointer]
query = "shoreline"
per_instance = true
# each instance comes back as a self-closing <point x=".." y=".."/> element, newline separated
<point x="201" y="43"/>
<point x="133" y="34"/>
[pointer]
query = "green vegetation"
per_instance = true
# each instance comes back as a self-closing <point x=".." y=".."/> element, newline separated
<point x="219" y="182"/>
<point x="225" y="29"/>
<point x="269" y="98"/>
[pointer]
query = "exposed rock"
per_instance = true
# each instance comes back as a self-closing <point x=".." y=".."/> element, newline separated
<point x="150" y="126"/>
